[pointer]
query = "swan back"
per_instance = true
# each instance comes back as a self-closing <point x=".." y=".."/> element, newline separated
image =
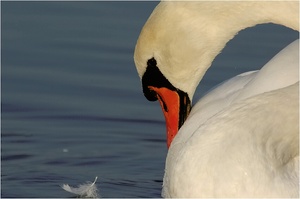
<point x="281" y="71"/>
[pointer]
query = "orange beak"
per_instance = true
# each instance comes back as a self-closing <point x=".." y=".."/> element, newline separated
<point x="174" y="110"/>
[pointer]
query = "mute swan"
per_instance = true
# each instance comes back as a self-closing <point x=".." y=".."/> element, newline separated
<point x="241" y="139"/>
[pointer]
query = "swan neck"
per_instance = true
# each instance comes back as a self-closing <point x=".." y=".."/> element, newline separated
<point x="228" y="18"/>
<point x="277" y="12"/>
<point x="185" y="36"/>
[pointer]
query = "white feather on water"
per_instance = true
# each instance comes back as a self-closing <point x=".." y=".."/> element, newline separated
<point x="87" y="190"/>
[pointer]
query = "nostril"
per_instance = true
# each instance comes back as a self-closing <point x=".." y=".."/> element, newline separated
<point x="164" y="105"/>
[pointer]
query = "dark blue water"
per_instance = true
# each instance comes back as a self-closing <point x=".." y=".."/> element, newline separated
<point x="72" y="105"/>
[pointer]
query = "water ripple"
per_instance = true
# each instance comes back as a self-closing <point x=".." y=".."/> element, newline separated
<point x="95" y="118"/>
<point x="15" y="157"/>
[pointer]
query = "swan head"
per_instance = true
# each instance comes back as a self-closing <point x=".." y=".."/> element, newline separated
<point x="171" y="57"/>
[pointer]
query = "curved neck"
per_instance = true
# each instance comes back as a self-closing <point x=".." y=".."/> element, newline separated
<point x="243" y="14"/>
<point x="185" y="36"/>
<point x="223" y="20"/>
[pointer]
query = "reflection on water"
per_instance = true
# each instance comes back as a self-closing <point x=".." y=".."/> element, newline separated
<point x="72" y="105"/>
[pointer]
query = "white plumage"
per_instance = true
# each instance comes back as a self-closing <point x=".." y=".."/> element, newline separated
<point x="241" y="139"/>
